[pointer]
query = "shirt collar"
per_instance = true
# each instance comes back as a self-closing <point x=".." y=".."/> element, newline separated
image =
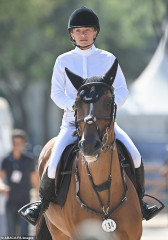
<point x="86" y="52"/>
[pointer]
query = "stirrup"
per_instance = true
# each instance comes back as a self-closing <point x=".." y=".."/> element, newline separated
<point x="153" y="214"/>
<point x="22" y="211"/>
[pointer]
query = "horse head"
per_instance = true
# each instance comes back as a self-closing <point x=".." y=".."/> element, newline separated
<point x="95" y="111"/>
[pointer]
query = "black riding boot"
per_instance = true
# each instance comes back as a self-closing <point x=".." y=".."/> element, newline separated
<point x="147" y="211"/>
<point x="33" y="211"/>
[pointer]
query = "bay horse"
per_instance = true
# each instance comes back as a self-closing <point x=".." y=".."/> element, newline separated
<point x="99" y="188"/>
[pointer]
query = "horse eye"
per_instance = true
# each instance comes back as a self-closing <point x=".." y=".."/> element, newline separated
<point x="77" y="104"/>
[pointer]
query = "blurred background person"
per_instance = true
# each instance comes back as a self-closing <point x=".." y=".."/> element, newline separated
<point x="17" y="176"/>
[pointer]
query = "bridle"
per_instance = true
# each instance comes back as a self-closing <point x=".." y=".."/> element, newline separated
<point x="91" y="119"/>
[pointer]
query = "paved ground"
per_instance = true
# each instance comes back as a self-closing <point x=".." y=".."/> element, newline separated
<point x="156" y="228"/>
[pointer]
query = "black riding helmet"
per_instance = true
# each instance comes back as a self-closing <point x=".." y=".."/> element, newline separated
<point x="83" y="17"/>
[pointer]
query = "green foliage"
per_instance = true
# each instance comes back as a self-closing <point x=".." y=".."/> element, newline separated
<point x="26" y="39"/>
<point x="33" y="33"/>
<point x="128" y="32"/>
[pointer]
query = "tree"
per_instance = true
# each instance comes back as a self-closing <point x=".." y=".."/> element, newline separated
<point x="27" y="44"/>
<point x="34" y="33"/>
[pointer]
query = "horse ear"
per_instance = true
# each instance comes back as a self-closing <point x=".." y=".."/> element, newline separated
<point x="111" y="73"/>
<point x="75" y="79"/>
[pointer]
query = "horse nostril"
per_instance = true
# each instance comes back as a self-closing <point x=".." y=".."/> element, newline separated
<point x="98" y="144"/>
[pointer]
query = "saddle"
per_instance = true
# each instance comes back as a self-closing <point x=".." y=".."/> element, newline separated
<point x="64" y="169"/>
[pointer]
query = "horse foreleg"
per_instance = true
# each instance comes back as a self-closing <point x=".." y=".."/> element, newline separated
<point x="55" y="232"/>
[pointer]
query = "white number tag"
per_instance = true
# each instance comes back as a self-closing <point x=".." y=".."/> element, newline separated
<point x="108" y="225"/>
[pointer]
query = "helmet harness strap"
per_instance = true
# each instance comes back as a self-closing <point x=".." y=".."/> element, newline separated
<point x="75" y="44"/>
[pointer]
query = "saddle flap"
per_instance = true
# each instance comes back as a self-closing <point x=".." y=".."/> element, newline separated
<point x="63" y="173"/>
<point x="126" y="161"/>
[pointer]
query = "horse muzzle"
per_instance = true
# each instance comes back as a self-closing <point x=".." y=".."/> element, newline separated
<point x="90" y="148"/>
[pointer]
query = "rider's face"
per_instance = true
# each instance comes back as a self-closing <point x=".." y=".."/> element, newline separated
<point x="84" y="36"/>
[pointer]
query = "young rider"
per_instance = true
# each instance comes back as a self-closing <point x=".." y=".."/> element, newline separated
<point x="85" y="60"/>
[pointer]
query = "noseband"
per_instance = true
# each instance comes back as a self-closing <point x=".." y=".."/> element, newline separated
<point x="91" y="119"/>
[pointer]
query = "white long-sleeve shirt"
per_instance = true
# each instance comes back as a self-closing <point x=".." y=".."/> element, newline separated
<point x="85" y="63"/>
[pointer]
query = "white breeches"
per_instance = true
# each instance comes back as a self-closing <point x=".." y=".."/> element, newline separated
<point x="124" y="138"/>
<point x="65" y="138"/>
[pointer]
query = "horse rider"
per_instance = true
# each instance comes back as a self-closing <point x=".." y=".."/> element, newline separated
<point x="85" y="60"/>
